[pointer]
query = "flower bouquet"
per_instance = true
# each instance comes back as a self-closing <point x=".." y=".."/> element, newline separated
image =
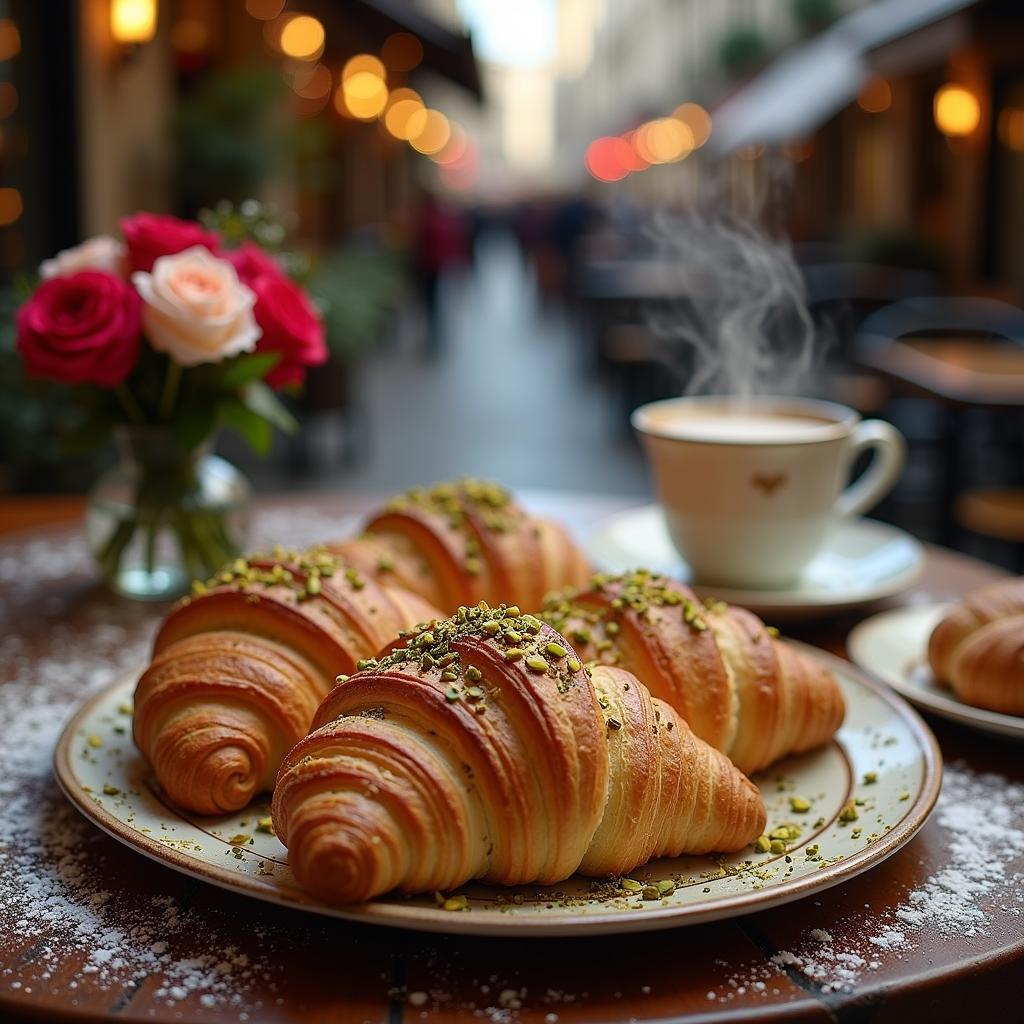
<point x="164" y="338"/>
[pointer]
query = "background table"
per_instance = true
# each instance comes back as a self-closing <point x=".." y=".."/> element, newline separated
<point x="108" y="934"/>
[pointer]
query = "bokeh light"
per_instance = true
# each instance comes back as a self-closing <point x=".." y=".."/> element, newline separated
<point x="633" y="161"/>
<point x="132" y="22"/>
<point x="1011" y="128"/>
<point x="363" y="63"/>
<point x="402" y="51"/>
<point x="362" y="95"/>
<point x="663" y="141"/>
<point x="311" y="82"/>
<point x="697" y="120"/>
<point x="302" y="37"/>
<point x="454" y="150"/>
<point x="10" y="206"/>
<point x="402" y="104"/>
<point x="429" y="131"/>
<point x="608" y="158"/>
<point x="957" y="111"/>
<point x="10" y="39"/>
<point x="875" y="97"/>
<point x="264" y="10"/>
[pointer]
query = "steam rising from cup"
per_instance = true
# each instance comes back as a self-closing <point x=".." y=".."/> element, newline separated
<point x="742" y="326"/>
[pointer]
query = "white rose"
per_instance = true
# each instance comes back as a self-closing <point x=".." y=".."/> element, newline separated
<point x="195" y="309"/>
<point x="99" y="253"/>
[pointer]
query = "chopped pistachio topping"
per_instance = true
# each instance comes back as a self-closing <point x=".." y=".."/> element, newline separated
<point x="630" y="885"/>
<point x="650" y="892"/>
<point x="456" y="903"/>
<point x="451" y="693"/>
<point x="473" y="674"/>
<point x="870" y="778"/>
<point x="777" y="846"/>
<point x="95" y="741"/>
<point x="110" y="790"/>
<point x="762" y="844"/>
<point x="535" y="663"/>
<point x="341" y="678"/>
<point x="849" y="812"/>
<point x="265" y="825"/>
<point x="239" y="840"/>
<point x="556" y="650"/>
<point x="574" y="664"/>
<point x="799" y="805"/>
<point x="666" y="887"/>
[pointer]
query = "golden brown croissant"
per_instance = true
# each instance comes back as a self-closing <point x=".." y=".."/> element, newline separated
<point x="978" y="648"/>
<point x="483" y="748"/>
<point x="461" y="543"/>
<point x="747" y="694"/>
<point x="239" y="668"/>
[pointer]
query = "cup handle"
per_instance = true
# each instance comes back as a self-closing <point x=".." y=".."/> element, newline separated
<point x="877" y="480"/>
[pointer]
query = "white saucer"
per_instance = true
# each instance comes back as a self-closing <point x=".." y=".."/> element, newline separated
<point x="892" y="646"/>
<point x="861" y="561"/>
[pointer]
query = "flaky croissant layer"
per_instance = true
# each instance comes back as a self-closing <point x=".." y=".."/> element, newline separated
<point x="483" y="748"/>
<point x="240" y="667"/>
<point x="740" y="688"/>
<point x="977" y="649"/>
<point x="462" y="542"/>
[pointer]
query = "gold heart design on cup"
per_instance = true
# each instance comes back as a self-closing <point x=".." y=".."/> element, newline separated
<point x="768" y="484"/>
<point x="749" y="487"/>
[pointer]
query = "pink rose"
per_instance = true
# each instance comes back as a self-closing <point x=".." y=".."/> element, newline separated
<point x="250" y="261"/>
<point x="99" y="253"/>
<point x="196" y="310"/>
<point x="152" y="235"/>
<point x="291" y="326"/>
<point x="81" y="329"/>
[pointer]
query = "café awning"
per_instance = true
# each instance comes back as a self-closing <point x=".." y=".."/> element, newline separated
<point x="806" y="86"/>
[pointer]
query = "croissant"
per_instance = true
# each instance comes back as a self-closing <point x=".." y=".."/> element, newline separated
<point x="239" y="668"/>
<point x="483" y="748"/>
<point x="460" y="543"/>
<point x="743" y="691"/>
<point x="978" y="648"/>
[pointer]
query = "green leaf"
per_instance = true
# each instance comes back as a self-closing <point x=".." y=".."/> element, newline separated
<point x="194" y="423"/>
<point x="258" y="398"/>
<point x="247" y="368"/>
<point x="254" y="428"/>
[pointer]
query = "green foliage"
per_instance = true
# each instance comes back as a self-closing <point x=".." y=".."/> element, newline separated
<point x="232" y="135"/>
<point x="811" y="15"/>
<point x="357" y="289"/>
<point x="742" y="49"/>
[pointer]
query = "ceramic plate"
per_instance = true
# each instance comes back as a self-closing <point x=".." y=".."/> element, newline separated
<point x="862" y="561"/>
<point x="893" y="646"/>
<point x="106" y="778"/>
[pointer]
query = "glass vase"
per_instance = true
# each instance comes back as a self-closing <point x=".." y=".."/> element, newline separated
<point x="164" y="516"/>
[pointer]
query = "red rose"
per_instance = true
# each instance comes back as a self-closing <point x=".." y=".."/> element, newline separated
<point x="152" y="235"/>
<point x="81" y="329"/>
<point x="250" y="262"/>
<point x="290" y="326"/>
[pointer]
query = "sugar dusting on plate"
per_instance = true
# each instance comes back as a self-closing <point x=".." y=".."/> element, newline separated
<point x="59" y="903"/>
<point x="983" y="816"/>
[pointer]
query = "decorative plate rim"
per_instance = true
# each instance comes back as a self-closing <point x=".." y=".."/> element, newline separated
<point x="430" y="919"/>
<point x="948" y="707"/>
<point x="783" y="600"/>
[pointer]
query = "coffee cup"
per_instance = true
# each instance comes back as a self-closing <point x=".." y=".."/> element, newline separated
<point x="751" y="486"/>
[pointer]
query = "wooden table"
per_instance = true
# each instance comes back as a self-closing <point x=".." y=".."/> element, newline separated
<point x="285" y="966"/>
<point x="962" y="374"/>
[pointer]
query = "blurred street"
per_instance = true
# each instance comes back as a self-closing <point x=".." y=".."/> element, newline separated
<point x="506" y="393"/>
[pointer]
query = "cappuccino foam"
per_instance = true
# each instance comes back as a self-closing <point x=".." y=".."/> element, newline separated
<point x="754" y="428"/>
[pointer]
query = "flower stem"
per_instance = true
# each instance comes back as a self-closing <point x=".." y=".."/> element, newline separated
<point x="170" y="391"/>
<point x="131" y="406"/>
